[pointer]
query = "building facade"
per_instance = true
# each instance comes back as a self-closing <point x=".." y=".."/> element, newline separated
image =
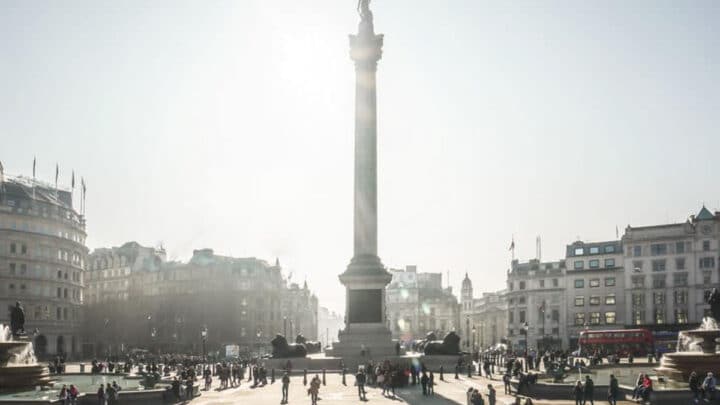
<point x="141" y="300"/>
<point x="537" y="309"/>
<point x="418" y="304"/>
<point x="670" y="270"/>
<point x="485" y="317"/>
<point x="42" y="256"/>
<point x="595" y="293"/>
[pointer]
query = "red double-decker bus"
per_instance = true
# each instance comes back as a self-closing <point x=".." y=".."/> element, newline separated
<point x="639" y="342"/>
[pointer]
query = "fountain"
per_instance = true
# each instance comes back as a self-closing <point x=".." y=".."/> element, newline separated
<point x="18" y="365"/>
<point x="696" y="349"/>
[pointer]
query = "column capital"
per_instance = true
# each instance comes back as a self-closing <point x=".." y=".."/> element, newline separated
<point x="366" y="49"/>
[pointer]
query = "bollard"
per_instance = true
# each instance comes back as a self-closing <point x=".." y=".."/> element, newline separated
<point x="457" y="370"/>
<point x="470" y="370"/>
<point x="272" y="376"/>
<point x="305" y="377"/>
<point x="343" y="377"/>
<point x="323" y="376"/>
<point x="441" y="373"/>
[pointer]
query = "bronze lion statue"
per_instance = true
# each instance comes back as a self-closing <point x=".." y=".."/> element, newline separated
<point x="283" y="350"/>
<point x="450" y="345"/>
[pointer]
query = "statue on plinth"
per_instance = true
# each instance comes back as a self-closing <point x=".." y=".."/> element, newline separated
<point x="714" y="301"/>
<point x="283" y="350"/>
<point x="17" y="320"/>
<point x="310" y="346"/>
<point x="450" y="345"/>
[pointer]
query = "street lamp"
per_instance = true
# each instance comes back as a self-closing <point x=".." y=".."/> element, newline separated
<point x="467" y="331"/>
<point x="204" y="335"/>
<point x="285" y="326"/>
<point x="525" y="328"/>
<point x="473" y="338"/>
<point x="259" y="334"/>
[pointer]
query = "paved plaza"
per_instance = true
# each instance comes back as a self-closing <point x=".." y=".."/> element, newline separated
<point x="450" y="391"/>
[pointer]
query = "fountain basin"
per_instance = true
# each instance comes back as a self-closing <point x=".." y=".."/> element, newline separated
<point x="678" y="366"/>
<point x="21" y="376"/>
<point x="10" y="349"/>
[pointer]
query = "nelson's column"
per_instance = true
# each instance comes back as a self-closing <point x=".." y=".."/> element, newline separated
<point x="365" y="278"/>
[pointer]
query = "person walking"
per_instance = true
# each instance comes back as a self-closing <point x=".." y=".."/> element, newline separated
<point x="709" y="386"/>
<point x="431" y="384"/>
<point x="314" y="390"/>
<point x="360" y="380"/>
<point x="285" y="387"/>
<point x="694" y="385"/>
<point x="424" y="382"/>
<point x="589" y="391"/>
<point x="492" y="395"/>
<point x="578" y="393"/>
<point x="101" y="397"/>
<point x="613" y="390"/>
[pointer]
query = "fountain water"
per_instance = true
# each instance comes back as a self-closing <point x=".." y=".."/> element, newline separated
<point x="696" y="351"/>
<point x="18" y="365"/>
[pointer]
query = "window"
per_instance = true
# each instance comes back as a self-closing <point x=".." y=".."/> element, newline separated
<point x="580" y="283"/>
<point x="680" y="279"/>
<point x="542" y="283"/>
<point x="706" y="245"/>
<point x="595" y="318"/>
<point x="521" y="300"/>
<point x="594" y="300"/>
<point x="58" y="313"/>
<point x="555" y="331"/>
<point x="579" y="301"/>
<point x="707" y="277"/>
<point x="594" y="250"/>
<point x="23" y="249"/>
<point x="657" y="249"/>
<point x="658" y="265"/>
<point x="511" y="301"/>
<point x="638" y="281"/>
<point x="638" y="299"/>
<point x="659" y="316"/>
<point x="579" y="251"/>
<point x="609" y="249"/>
<point x="23" y="268"/>
<point x="59" y="292"/>
<point x="13" y="248"/>
<point x="679" y="247"/>
<point x="610" y="318"/>
<point x="522" y="317"/>
<point x="659" y="298"/>
<point x="659" y="282"/>
<point x="680" y="263"/>
<point x="594" y="282"/>
<point x="12" y="286"/>
<point x="681" y="315"/>
<point x="12" y="268"/>
<point x="511" y="316"/>
<point x="638" y="317"/>
<point x="609" y="281"/>
<point x="580" y="318"/>
<point x="556" y="315"/>
<point x="637" y="251"/>
<point x="610" y="299"/>
<point x="707" y="263"/>
<point x="522" y="285"/>
<point x="680" y="297"/>
<point x="594" y="264"/>
<point x="609" y="263"/>
<point x="555" y="282"/>
<point x="579" y="265"/>
<point x="637" y="265"/>
<point x="510" y="285"/>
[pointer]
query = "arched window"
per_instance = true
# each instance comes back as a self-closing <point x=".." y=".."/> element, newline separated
<point x="40" y="345"/>
<point x="60" y="345"/>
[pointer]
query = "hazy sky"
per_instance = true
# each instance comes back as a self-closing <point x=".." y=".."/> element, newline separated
<point x="229" y="124"/>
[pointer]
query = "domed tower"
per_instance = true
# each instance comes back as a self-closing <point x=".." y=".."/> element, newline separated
<point x="466" y="293"/>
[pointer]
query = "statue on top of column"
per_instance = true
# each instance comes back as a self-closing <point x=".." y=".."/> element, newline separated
<point x="366" y="16"/>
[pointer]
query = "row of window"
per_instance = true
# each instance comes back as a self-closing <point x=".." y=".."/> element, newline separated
<point x="680" y="297"/>
<point x="594" y="300"/>
<point x="21" y="269"/>
<point x="659" y="280"/>
<point x="554" y="315"/>
<point x="32" y="289"/>
<point x="661" y="249"/>
<point x="595" y="282"/>
<point x="595" y="250"/>
<point x="540" y="331"/>
<point x="59" y="232"/>
<point x="541" y="284"/>
<point x="595" y="318"/>
<point x="659" y="316"/>
<point x="593" y="264"/>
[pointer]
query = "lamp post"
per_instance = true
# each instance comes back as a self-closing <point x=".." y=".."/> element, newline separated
<point x="525" y="328"/>
<point x="258" y="335"/>
<point x="204" y="335"/>
<point x="473" y="339"/>
<point x="467" y="331"/>
<point x="285" y="326"/>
